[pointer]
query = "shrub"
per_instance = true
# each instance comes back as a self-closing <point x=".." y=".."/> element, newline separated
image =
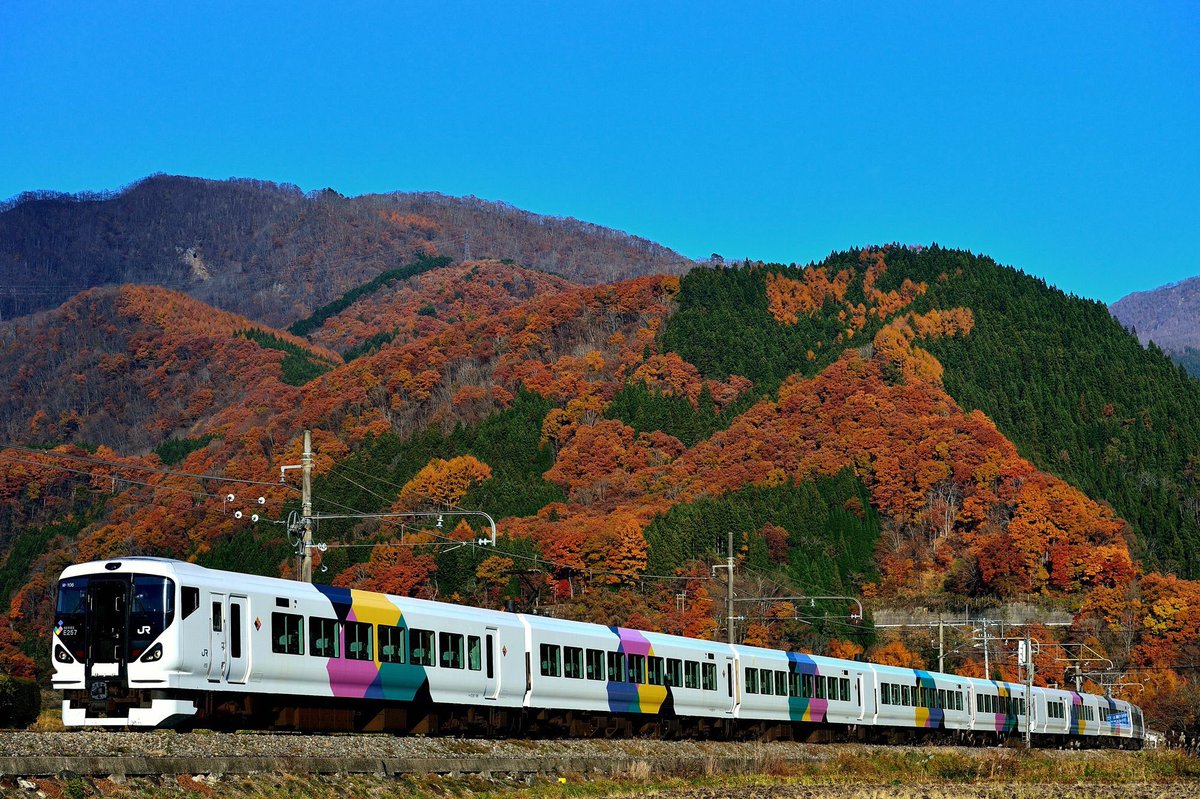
<point x="20" y="701"/>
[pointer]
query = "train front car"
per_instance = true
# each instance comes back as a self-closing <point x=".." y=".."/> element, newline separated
<point x="116" y="644"/>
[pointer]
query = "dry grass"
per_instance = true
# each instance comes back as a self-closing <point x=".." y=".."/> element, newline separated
<point x="50" y="717"/>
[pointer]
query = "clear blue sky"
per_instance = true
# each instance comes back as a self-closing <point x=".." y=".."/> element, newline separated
<point x="1062" y="138"/>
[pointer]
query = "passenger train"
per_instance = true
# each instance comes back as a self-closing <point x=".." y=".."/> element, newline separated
<point x="148" y="642"/>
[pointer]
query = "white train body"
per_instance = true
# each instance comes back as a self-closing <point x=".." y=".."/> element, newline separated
<point x="145" y="642"/>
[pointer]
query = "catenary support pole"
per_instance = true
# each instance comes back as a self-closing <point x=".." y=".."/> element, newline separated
<point x="941" y="645"/>
<point x="306" y="511"/>
<point x="1028" y="690"/>
<point x="729" y="588"/>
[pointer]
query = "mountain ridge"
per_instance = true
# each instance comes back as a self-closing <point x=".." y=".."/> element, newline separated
<point x="1168" y="316"/>
<point x="273" y="253"/>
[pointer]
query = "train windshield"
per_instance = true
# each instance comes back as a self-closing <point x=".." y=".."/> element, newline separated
<point x="111" y="618"/>
<point x="151" y="610"/>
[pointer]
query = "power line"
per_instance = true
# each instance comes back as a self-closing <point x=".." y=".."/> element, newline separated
<point x="97" y="475"/>
<point x="127" y="499"/>
<point x="140" y="468"/>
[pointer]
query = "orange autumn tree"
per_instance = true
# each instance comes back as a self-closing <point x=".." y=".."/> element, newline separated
<point x="895" y="653"/>
<point x="845" y="650"/>
<point x="442" y="483"/>
<point x="391" y="570"/>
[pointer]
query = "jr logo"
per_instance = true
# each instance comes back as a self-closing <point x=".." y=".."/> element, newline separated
<point x="144" y="630"/>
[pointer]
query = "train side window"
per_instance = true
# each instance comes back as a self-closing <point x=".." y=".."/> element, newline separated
<point x="654" y="671"/>
<point x="674" y="673"/>
<point x="904" y="698"/>
<point x="637" y="668"/>
<point x="595" y="664"/>
<point x="781" y="683"/>
<point x="551" y="660"/>
<point x="794" y="684"/>
<point x="451" y="645"/>
<point x="751" y="681"/>
<point x="490" y="649"/>
<point x="708" y="677"/>
<point x="216" y="617"/>
<point x="420" y="647"/>
<point x="941" y="698"/>
<point x="616" y="667"/>
<point x="764" y="681"/>
<point x="191" y="600"/>
<point x="845" y="686"/>
<point x="391" y="644"/>
<point x="958" y="705"/>
<point x="322" y="637"/>
<point x="358" y="640"/>
<point x="573" y="662"/>
<point x="691" y="674"/>
<point x="474" y="653"/>
<point x="885" y="694"/>
<point x="287" y="633"/>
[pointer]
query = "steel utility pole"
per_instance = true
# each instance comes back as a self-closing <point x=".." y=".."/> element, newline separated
<point x="941" y="645"/>
<point x="729" y="588"/>
<point x="1028" y="690"/>
<point x="987" y="667"/>
<point x="306" y="510"/>
<point x="728" y="567"/>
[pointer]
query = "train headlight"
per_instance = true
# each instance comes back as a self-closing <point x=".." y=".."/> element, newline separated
<point x="62" y="655"/>
<point x="155" y="653"/>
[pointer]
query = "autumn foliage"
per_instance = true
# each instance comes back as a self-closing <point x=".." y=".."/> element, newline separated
<point x="963" y="514"/>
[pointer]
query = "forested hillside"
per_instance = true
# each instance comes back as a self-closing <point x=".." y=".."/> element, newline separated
<point x="1058" y="375"/>
<point x="272" y="253"/>
<point x="904" y="425"/>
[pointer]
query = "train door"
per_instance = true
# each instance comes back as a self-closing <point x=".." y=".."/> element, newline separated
<point x="218" y="660"/>
<point x="106" y="606"/>
<point x="239" y="650"/>
<point x="491" y="670"/>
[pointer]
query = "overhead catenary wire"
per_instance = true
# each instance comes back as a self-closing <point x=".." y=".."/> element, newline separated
<point x="85" y="479"/>
<point x="584" y="570"/>
<point x="140" y="467"/>
<point x="5" y="457"/>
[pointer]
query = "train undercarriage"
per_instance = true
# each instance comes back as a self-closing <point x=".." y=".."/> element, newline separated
<point x="308" y="714"/>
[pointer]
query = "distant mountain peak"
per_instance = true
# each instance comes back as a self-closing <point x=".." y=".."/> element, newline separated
<point x="1169" y="316"/>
